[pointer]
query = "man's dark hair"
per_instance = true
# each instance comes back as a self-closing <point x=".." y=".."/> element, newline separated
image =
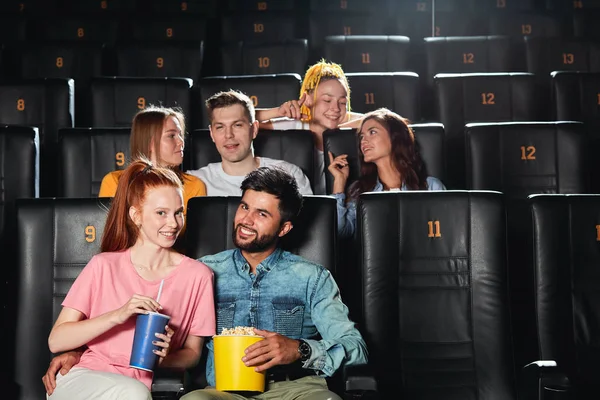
<point x="228" y="99"/>
<point x="278" y="183"/>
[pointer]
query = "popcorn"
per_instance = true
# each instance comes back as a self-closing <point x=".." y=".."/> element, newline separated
<point x="238" y="330"/>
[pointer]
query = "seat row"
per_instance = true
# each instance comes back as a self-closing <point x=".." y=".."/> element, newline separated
<point x="112" y="101"/>
<point x="265" y="25"/>
<point x="211" y="7"/>
<point x="357" y="54"/>
<point x="459" y="99"/>
<point x="530" y="163"/>
<point x="376" y="54"/>
<point x="434" y="301"/>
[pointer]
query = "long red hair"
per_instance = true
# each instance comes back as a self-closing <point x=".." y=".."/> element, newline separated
<point x="120" y="232"/>
<point x="405" y="155"/>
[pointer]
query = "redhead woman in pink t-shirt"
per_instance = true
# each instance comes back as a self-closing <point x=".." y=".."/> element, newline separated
<point x="123" y="281"/>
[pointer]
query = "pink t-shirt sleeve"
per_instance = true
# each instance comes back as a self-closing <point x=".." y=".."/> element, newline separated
<point x="80" y="296"/>
<point x="204" y="321"/>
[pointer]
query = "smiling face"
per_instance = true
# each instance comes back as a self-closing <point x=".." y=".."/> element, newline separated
<point x="232" y="132"/>
<point x="160" y="217"/>
<point x="171" y="144"/>
<point x="375" y="142"/>
<point x="330" y="107"/>
<point x="257" y="223"/>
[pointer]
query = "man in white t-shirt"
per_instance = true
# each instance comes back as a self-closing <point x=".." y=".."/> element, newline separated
<point x="233" y="127"/>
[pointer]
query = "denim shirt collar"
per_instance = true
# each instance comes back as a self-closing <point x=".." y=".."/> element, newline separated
<point x="379" y="186"/>
<point x="265" y="266"/>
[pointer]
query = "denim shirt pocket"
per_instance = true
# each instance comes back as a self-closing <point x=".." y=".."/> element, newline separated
<point x="225" y="314"/>
<point x="288" y="318"/>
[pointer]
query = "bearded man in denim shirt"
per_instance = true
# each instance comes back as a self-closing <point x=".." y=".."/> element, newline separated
<point x="294" y="303"/>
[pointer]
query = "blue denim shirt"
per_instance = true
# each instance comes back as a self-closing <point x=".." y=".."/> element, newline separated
<point x="288" y="295"/>
<point x="346" y="213"/>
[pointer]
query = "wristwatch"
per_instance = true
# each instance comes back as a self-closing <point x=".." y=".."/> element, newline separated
<point x="304" y="350"/>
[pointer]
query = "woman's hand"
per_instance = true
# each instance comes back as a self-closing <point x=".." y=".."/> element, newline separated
<point x="291" y="109"/>
<point x="338" y="167"/>
<point x="138" y="304"/>
<point x="165" y="344"/>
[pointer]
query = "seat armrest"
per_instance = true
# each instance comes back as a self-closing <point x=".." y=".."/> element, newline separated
<point x="359" y="379"/>
<point x="168" y="383"/>
<point x="543" y="380"/>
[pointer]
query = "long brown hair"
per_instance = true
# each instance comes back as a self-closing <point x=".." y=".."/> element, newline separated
<point x="147" y="127"/>
<point x="120" y="232"/>
<point x="405" y="155"/>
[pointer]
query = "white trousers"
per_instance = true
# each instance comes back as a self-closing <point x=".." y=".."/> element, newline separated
<point x="83" y="383"/>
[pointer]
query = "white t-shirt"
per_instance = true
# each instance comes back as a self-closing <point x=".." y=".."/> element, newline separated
<point x="285" y="124"/>
<point x="218" y="183"/>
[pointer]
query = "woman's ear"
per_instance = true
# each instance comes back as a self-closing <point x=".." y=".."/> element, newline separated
<point x="135" y="216"/>
<point x="309" y="101"/>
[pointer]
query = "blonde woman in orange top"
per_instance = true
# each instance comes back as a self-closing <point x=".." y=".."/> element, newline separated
<point x="158" y="134"/>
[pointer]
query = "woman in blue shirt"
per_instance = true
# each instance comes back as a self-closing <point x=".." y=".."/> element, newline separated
<point x="389" y="161"/>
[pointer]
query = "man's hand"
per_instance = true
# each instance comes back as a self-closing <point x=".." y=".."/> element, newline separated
<point x="64" y="363"/>
<point x="274" y="350"/>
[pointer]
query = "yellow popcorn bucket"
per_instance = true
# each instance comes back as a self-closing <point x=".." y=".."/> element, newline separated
<point x="231" y="374"/>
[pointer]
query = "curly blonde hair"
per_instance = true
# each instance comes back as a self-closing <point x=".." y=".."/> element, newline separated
<point x="317" y="73"/>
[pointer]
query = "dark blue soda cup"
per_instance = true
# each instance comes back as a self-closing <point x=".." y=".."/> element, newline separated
<point x="146" y="326"/>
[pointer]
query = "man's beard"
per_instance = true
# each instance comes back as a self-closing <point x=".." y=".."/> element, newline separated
<point x="258" y="244"/>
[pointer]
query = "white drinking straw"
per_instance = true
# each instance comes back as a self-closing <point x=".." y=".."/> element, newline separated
<point x="160" y="290"/>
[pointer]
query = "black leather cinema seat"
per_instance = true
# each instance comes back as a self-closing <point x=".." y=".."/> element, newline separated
<point x="265" y="6"/>
<point x="369" y="53"/>
<point x="80" y="29"/>
<point x="56" y="239"/>
<point x="434" y="294"/>
<point x="466" y="54"/>
<point x="182" y="8"/>
<point x="293" y="146"/>
<point x="210" y="226"/>
<point x="523" y="158"/>
<point x="115" y="100"/>
<point x="169" y="29"/>
<point x="418" y="25"/>
<point x="86" y="155"/>
<point x="79" y="61"/>
<point x="584" y="24"/>
<point x="566" y="239"/>
<point x="349" y="6"/>
<point x="46" y="104"/>
<point x="258" y="26"/>
<point x="545" y="55"/>
<point x="430" y="138"/>
<point x="527" y="24"/>
<point x="323" y="24"/>
<point x="494" y="97"/>
<point x="520" y="159"/>
<point x="13" y="28"/>
<point x="463" y="54"/>
<point x="265" y="90"/>
<point x="19" y="174"/>
<point x="155" y="59"/>
<point x="243" y="58"/>
<point x="66" y="59"/>
<point x="398" y="91"/>
<point x="575" y="98"/>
